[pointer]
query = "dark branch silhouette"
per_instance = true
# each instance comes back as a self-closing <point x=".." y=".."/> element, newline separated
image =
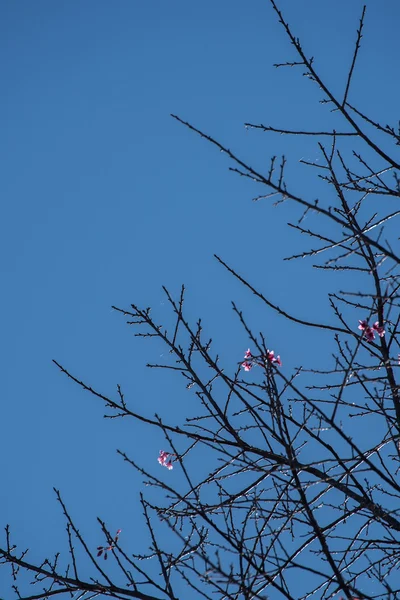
<point x="300" y="498"/>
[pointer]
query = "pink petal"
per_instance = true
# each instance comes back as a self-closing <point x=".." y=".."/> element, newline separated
<point x="369" y="334"/>
<point x="270" y="356"/>
<point x="165" y="459"/>
<point x="379" y="330"/>
<point x="363" y="325"/>
<point x="247" y="366"/>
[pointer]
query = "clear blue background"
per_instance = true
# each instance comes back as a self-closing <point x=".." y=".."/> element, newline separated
<point x="104" y="198"/>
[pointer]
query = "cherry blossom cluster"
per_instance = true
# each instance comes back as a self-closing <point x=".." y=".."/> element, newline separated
<point x="269" y="358"/>
<point x="105" y="549"/>
<point x="369" y="332"/>
<point x="165" y="459"/>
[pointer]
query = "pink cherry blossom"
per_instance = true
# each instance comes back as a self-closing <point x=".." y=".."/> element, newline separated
<point x="251" y="362"/>
<point x="247" y="366"/>
<point x="165" y="459"/>
<point x="379" y="330"/>
<point x="270" y="357"/>
<point x="369" y="332"/>
<point x="363" y="325"/>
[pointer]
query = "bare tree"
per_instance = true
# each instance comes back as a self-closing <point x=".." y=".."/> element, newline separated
<point x="296" y="502"/>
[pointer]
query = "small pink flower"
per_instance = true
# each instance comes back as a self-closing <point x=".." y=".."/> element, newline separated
<point x="165" y="459"/>
<point x="379" y="330"/>
<point x="270" y="357"/>
<point x="250" y="362"/>
<point x="363" y="325"/>
<point x="247" y="366"/>
<point x="369" y="332"/>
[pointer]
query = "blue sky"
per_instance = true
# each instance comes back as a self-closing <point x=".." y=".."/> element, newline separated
<point x="105" y="198"/>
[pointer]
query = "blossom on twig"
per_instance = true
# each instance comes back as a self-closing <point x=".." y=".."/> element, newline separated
<point x="369" y="332"/>
<point x="247" y="365"/>
<point x="165" y="459"/>
<point x="379" y="330"/>
<point x="250" y="361"/>
<point x="272" y="359"/>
